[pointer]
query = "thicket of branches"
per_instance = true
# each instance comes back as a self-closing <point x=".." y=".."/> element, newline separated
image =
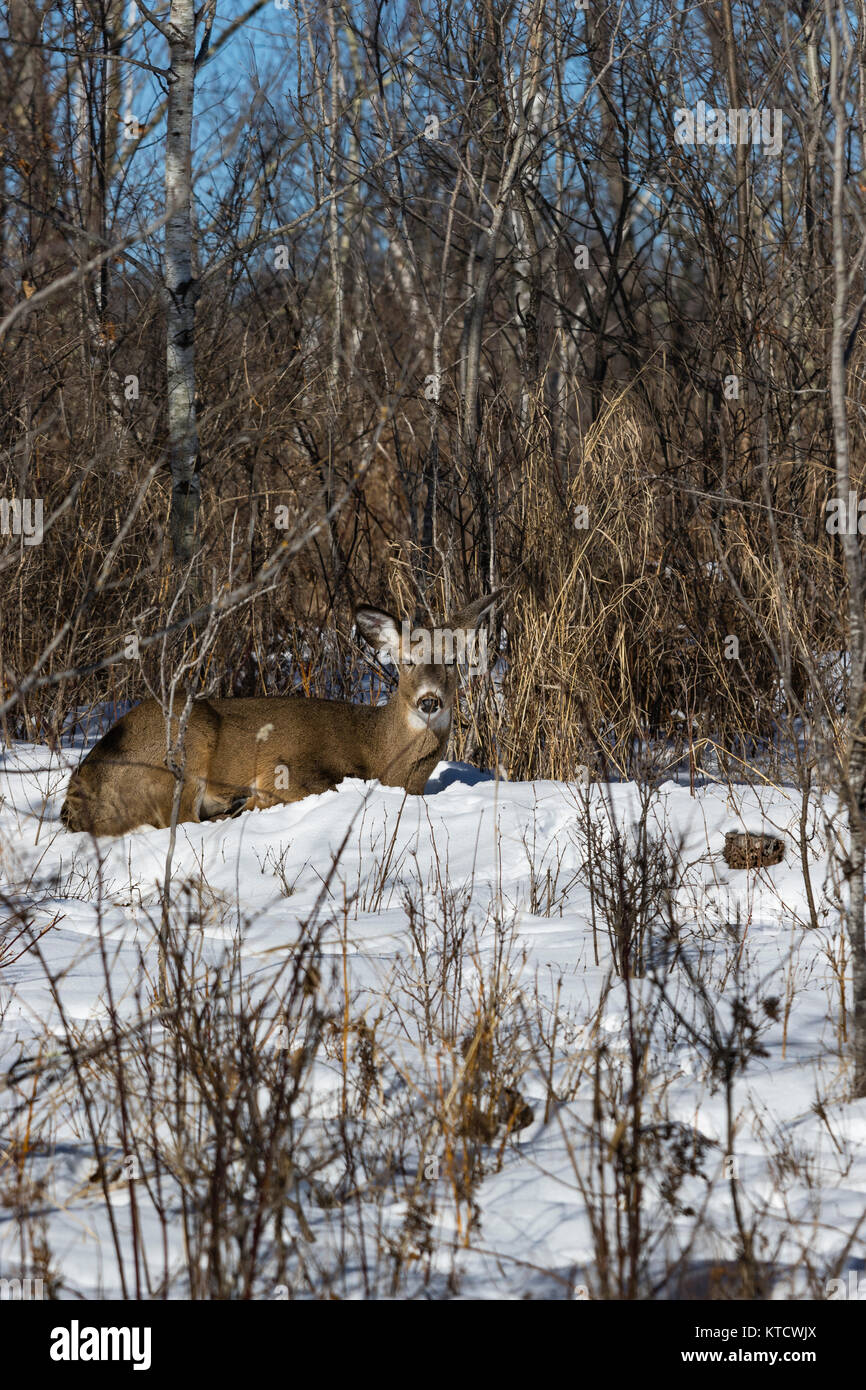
<point x="464" y="311"/>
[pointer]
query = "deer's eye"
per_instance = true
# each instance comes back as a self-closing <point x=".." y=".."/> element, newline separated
<point x="430" y="704"/>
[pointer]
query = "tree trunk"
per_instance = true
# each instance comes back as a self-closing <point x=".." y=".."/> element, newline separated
<point x="181" y="289"/>
<point x="854" y="774"/>
<point x="741" y="436"/>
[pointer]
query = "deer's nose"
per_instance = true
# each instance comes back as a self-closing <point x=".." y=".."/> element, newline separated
<point x="430" y="704"/>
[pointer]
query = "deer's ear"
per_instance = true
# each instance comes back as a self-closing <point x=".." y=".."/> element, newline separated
<point x="472" y="614"/>
<point x="380" y="630"/>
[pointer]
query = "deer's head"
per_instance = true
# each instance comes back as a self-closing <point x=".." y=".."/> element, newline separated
<point x="427" y="659"/>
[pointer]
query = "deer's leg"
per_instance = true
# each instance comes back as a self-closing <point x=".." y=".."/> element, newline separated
<point x="288" y="780"/>
<point x="216" y="807"/>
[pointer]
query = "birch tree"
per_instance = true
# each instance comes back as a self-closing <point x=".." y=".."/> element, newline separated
<point x="181" y="287"/>
<point x="843" y="53"/>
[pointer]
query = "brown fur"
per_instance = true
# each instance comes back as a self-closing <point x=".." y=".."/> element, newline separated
<point x="240" y="753"/>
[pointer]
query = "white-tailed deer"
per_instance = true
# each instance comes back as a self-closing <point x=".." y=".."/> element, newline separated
<point x="244" y="754"/>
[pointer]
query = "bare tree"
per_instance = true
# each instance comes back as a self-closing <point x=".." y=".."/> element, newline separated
<point x="181" y="286"/>
<point x="843" y="57"/>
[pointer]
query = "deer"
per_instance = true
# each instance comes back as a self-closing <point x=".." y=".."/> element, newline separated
<point x="243" y="754"/>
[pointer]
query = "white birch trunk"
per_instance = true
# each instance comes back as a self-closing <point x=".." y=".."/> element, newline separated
<point x="854" y="776"/>
<point x="180" y="287"/>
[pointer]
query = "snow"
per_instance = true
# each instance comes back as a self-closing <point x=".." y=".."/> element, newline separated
<point x="502" y="870"/>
